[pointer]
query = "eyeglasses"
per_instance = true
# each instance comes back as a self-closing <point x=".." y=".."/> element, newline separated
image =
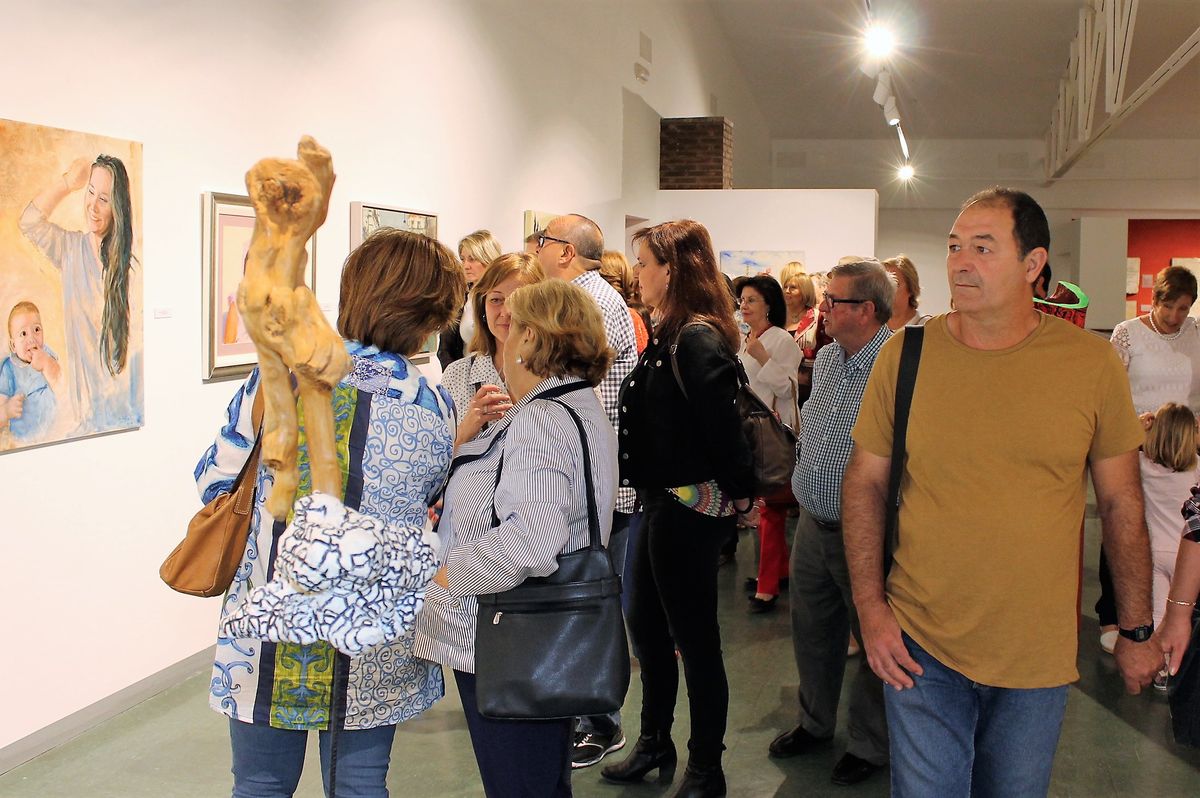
<point x="833" y="300"/>
<point x="543" y="238"/>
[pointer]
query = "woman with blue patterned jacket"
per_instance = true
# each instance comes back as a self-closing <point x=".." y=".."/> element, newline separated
<point x="395" y="437"/>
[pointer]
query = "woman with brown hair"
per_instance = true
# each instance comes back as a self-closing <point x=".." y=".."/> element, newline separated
<point x="908" y="292"/>
<point x="476" y="382"/>
<point x="683" y="448"/>
<point x="397" y="289"/>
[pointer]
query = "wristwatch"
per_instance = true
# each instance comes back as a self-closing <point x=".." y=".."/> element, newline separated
<point x="1138" y="634"/>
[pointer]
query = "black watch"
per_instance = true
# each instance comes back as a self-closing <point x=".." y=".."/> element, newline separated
<point x="1138" y="634"/>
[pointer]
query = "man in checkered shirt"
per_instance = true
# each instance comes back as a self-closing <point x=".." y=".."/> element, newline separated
<point x="855" y="310"/>
<point x="569" y="249"/>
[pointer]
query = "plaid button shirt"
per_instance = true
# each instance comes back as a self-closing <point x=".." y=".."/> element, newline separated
<point x="824" y="445"/>
<point x="618" y="327"/>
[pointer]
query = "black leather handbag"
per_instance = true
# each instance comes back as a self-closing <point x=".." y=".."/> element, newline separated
<point x="555" y="646"/>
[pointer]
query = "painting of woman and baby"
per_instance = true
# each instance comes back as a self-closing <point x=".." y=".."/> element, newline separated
<point x="70" y="285"/>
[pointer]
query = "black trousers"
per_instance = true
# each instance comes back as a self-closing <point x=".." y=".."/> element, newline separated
<point x="674" y="605"/>
<point x="517" y="758"/>
<point x="1106" y="605"/>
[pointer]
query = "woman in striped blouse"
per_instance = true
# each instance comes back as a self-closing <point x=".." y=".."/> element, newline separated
<point x="526" y="471"/>
<point x="395" y="435"/>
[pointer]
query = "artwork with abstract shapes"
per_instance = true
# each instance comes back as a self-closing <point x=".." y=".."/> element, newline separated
<point x="746" y="262"/>
<point x="70" y="285"/>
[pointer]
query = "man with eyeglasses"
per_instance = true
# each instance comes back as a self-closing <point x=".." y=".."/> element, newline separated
<point x="975" y="628"/>
<point x="855" y="310"/>
<point x="570" y="249"/>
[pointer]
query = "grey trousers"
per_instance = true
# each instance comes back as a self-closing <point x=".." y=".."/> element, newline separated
<point x="822" y="617"/>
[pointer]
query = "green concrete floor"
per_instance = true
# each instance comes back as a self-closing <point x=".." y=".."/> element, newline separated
<point x="174" y="746"/>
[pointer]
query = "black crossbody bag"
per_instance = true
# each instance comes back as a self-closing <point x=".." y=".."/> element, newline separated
<point x="555" y="646"/>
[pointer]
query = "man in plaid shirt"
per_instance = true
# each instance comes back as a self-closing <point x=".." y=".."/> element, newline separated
<point x="854" y="310"/>
<point x="569" y="249"/>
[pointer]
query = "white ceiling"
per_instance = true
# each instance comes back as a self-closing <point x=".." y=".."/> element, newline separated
<point x="965" y="69"/>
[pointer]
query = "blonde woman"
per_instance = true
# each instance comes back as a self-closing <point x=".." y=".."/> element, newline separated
<point x="803" y="321"/>
<point x="528" y="475"/>
<point x="476" y="251"/>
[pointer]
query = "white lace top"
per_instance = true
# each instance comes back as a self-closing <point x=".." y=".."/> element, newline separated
<point x="1160" y="369"/>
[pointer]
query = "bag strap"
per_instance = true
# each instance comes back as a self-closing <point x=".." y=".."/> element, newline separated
<point x="906" y="380"/>
<point x="244" y="499"/>
<point x="743" y="380"/>
<point x="594" y="541"/>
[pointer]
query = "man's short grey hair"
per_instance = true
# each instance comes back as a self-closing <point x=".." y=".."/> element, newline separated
<point x="585" y="236"/>
<point x="871" y="281"/>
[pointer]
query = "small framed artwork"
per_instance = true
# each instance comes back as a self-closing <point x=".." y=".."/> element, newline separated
<point x="536" y="221"/>
<point x="366" y="219"/>
<point x="226" y="226"/>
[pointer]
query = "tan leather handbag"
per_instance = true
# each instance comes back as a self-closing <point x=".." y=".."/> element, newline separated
<point x="205" y="562"/>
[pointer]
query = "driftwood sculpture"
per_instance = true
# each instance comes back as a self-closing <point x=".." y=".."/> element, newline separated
<point x="291" y="200"/>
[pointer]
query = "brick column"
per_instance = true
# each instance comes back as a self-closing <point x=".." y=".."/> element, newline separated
<point x="695" y="152"/>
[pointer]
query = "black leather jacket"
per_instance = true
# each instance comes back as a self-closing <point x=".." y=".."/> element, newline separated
<point x="667" y="441"/>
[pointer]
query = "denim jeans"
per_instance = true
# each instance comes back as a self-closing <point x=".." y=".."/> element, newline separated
<point x="267" y="761"/>
<point x="954" y="737"/>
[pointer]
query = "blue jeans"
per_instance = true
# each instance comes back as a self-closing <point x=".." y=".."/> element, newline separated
<point x="618" y="547"/>
<point x="267" y="761"/>
<point x="951" y="736"/>
<point x="516" y="758"/>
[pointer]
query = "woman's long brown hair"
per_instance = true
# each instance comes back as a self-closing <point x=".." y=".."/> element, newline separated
<point x="696" y="291"/>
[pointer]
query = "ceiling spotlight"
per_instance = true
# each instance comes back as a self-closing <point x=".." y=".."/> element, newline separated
<point x="891" y="113"/>
<point x="880" y="41"/>
<point x="903" y="141"/>
<point x="883" y="88"/>
<point x="905" y="172"/>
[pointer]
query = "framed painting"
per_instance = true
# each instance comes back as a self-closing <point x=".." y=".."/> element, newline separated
<point x="747" y="262"/>
<point x="366" y="219"/>
<point x="71" y="350"/>
<point x="536" y="221"/>
<point x="227" y="222"/>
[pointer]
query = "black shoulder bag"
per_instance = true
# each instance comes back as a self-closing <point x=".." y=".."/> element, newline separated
<point x="772" y="443"/>
<point x="554" y="646"/>
<point x="906" y="380"/>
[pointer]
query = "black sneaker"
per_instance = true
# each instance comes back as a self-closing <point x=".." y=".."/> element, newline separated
<point x="591" y="747"/>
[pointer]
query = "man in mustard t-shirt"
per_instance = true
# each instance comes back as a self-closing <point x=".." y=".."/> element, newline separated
<point x="975" y="630"/>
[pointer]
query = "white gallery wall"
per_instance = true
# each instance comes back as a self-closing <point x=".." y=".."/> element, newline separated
<point x="473" y="109"/>
<point x="1120" y="178"/>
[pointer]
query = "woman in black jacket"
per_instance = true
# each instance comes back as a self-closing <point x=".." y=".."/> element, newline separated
<point x="691" y="463"/>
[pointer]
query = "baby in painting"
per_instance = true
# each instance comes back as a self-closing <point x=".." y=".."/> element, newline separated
<point x="26" y="398"/>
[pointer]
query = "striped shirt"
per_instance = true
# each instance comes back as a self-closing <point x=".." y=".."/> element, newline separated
<point x="824" y="445"/>
<point x="540" y="502"/>
<point x="618" y="327"/>
<point x="464" y="377"/>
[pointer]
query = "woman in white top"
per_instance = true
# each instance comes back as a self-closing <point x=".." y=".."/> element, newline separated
<point x="476" y="251"/>
<point x="476" y="382"/>
<point x="771" y="358"/>
<point x="1161" y="352"/>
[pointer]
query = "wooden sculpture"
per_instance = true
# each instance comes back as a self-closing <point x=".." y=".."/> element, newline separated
<point x="291" y="200"/>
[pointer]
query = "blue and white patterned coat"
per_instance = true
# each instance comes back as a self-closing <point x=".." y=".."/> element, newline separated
<point x="394" y="440"/>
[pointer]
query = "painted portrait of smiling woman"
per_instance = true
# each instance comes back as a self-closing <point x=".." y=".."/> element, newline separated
<point x="81" y="270"/>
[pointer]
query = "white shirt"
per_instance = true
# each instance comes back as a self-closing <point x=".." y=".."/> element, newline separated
<point x="1161" y="369"/>
<point x="775" y="382"/>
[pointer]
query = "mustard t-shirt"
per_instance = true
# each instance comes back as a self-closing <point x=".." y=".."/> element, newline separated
<point x="987" y="568"/>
